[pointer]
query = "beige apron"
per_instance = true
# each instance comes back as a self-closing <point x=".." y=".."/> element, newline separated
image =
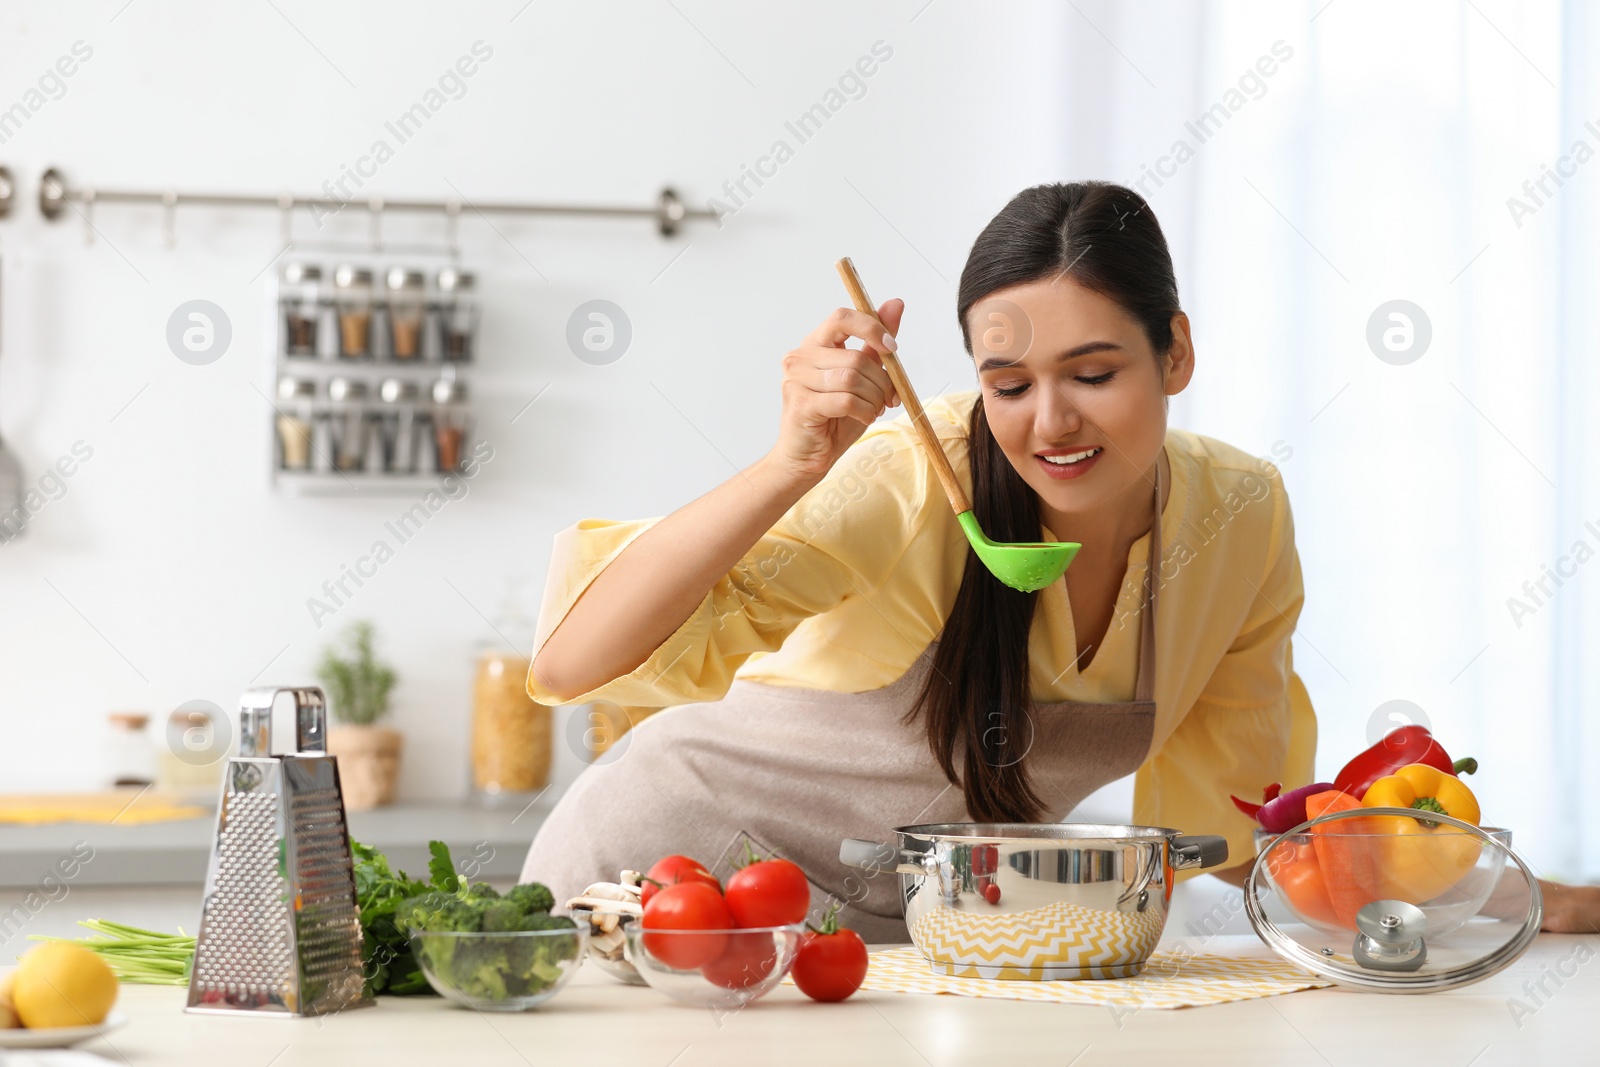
<point x="798" y="770"/>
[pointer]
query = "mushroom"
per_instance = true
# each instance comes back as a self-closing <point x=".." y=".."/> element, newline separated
<point x="608" y="906"/>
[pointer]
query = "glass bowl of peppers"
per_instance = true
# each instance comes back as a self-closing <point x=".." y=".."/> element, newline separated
<point x="1324" y="873"/>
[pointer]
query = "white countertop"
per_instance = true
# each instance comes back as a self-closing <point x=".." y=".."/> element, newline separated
<point x="597" y="1020"/>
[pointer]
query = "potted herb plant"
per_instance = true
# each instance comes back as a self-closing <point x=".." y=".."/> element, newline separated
<point x="358" y="688"/>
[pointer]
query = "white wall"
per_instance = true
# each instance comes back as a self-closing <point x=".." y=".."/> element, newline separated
<point x="170" y="571"/>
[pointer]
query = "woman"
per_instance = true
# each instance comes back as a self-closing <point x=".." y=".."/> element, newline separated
<point x="833" y="659"/>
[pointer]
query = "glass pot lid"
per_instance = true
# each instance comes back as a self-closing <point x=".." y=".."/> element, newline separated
<point x="1391" y="900"/>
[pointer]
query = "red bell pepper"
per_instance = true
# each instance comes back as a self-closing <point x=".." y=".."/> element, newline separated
<point x="1408" y="744"/>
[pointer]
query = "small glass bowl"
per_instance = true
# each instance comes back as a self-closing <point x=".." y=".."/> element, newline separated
<point x="619" y="967"/>
<point x="510" y="971"/>
<point x="713" y="968"/>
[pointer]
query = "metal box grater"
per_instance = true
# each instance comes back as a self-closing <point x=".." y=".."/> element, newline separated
<point x="279" y="929"/>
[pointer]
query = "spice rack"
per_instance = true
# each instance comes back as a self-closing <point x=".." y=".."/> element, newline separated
<point x="371" y="366"/>
<point x="375" y="389"/>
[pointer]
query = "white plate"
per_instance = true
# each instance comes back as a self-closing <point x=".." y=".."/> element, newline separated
<point x="60" y="1036"/>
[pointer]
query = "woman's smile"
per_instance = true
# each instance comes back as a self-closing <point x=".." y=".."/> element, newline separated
<point x="1068" y="463"/>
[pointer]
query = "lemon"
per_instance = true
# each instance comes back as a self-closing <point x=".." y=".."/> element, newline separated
<point x="60" y="984"/>
<point x="8" y="1016"/>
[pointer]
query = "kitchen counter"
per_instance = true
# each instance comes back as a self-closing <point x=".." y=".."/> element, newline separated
<point x="597" y="1020"/>
<point x="175" y="853"/>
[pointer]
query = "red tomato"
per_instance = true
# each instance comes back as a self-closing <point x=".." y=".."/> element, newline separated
<point x="748" y="960"/>
<point x="831" y="963"/>
<point x="686" y="906"/>
<point x="991" y="892"/>
<point x="671" y="870"/>
<point x="768" y="893"/>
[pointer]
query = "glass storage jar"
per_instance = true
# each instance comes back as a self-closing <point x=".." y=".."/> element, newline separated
<point x="348" y="398"/>
<point x="294" y="422"/>
<point x="352" y="288"/>
<point x="510" y="732"/>
<point x="299" y="299"/>
<point x="458" y="314"/>
<point x="404" y="291"/>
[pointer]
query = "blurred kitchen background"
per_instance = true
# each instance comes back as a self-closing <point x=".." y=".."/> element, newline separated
<point x="1318" y="168"/>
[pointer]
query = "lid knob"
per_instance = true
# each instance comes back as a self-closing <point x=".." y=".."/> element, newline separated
<point x="1391" y="936"/>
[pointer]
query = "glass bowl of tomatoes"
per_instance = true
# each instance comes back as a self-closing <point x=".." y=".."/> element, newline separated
<point x="719" y="968"/>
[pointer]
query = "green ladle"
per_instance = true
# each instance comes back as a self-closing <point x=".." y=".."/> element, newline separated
<point x="1027" y="566"/>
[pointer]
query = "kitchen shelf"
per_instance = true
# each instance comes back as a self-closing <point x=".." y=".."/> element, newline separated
<point x="356" y="483"/>
<point x="176" y="853"/>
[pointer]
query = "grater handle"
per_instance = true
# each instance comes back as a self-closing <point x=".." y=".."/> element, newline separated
<point x="255" y="719"/>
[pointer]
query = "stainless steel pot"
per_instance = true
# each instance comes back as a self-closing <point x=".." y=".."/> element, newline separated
<point x="1040" y="901"/>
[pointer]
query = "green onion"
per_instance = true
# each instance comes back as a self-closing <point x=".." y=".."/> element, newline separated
<point x="146" y="957"/>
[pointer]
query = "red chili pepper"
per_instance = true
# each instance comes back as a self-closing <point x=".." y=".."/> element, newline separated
<point x="1408" y="744"/>
<point x="1269" y="794"/>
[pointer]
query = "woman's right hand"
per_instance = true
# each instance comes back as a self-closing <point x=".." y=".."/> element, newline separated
<point x="831" y="393"/>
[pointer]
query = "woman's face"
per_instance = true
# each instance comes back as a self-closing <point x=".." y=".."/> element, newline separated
<point x="1074" y="393"/>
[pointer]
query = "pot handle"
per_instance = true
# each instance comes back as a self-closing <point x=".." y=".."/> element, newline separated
<point x="1198" y="850"/>
<point x="871" y="856"/>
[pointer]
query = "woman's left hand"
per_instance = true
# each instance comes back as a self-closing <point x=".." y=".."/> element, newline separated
<point x="1570" y="909"/>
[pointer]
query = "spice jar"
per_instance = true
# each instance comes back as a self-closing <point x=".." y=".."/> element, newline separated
<point x="458" y="314"/>
<point x="322" y="442"/>
<point x="399" y="424"/>
<point x="450" y="420"/>
<point x="192" y="759"/>
<point x="130" y="759"/>
<point x="510" y="732"/>
<point x="352" y="290"/>
<point x="375" y="455"/>
<point x="300" y="300"/>
<point x="406" y="309"/>
<point x="427" y="454"/>
<point x="294" y="423"/>
<point x="349" y="422"/>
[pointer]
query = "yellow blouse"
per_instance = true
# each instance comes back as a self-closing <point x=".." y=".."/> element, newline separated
<point x="852" y="584"/>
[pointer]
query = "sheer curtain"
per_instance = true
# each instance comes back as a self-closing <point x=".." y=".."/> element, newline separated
<point x="1342" y="157"/>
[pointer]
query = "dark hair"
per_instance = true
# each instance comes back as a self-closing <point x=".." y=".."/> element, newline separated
<point x="976" y="702"/>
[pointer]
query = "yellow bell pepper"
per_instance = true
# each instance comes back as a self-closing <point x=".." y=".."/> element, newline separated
<point x="1419" y="858"/>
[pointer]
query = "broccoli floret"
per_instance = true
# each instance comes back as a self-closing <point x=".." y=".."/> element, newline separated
<point x="441" y="913"/>
<point x="502" y="915"/>
<point x="479" y="968"/>
<point x="550" y="952"/>
<point x="533" y="963"/>
<point x="532" y="897"/>
<point x="481" y="891"/>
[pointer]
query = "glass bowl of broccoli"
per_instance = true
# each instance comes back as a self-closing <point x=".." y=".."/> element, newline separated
<point x="490" y="952"/>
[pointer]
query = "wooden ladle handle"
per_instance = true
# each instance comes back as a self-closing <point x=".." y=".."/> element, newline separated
<point x="908" y="396"/>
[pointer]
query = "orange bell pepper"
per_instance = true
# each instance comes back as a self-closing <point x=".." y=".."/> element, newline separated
<point x="1351" y="874"/>
<point x="1297" y="874"/>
